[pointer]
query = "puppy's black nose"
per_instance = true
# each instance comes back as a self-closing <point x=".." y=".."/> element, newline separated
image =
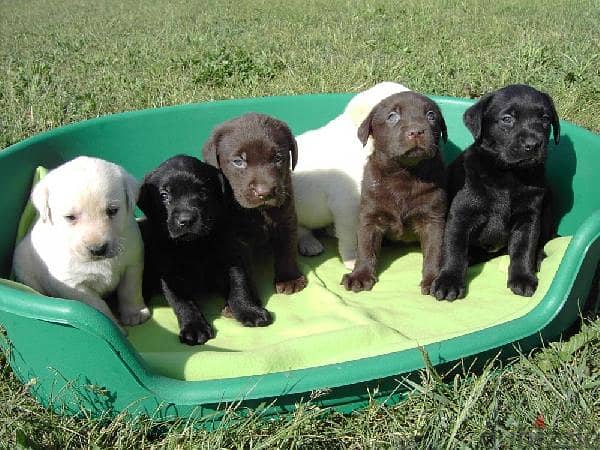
<point x="98" y="250"/>
<point x="185" y="219"/>
<point x="531" y="144"/>
<point x="414" y="133"/>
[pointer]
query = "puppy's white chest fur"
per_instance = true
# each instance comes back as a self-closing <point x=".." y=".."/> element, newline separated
<point x="75" y="271"/>
<point x="101" y="276"/>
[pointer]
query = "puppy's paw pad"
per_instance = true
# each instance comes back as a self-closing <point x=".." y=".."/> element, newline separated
<point x="447" y="287"/>
<point x="196" y="334"/>
<point x="308" y="245"/>
<point x="254" y="317"/>
<point x="291" y="286"/>
<point x="359" y="280"/>
<point x="523" y="284"/>
<point x="135" y="316"/>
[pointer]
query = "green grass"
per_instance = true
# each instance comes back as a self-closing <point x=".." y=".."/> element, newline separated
<point x="495" y="408"/>
<point x="64" y="61"/>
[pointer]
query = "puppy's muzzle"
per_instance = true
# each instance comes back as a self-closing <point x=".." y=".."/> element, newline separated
<point x="262" y="192"/>
<point x="414" y="134"/>
<point x="531" y="144"/>
<point x="263" y="195"/>
<point x="98" y="250"/>
<point x="186" y="219"/>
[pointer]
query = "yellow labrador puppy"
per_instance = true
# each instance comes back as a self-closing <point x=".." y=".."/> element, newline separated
<point x="85" y="243"/>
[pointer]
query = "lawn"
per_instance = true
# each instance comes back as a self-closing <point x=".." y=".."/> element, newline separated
<point x="64" y="61"/>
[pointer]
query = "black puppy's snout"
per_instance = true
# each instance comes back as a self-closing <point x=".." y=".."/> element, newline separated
<point x="98" y="250"/>
<point x="415" y="133"/>
<point x="531" y="143"/>
<point x="186" y="218"/>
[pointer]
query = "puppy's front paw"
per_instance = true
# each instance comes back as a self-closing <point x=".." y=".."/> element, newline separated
<point x="254" y="316"/>
<point x="291" y="286"/>
<point x="359" y="280"/>
<point x="134" y="315"/>
<point x="523" y="284"/>
<point x="308" y="245"/>
<point x="426" y="283"/>
<point x="447" y="287"/>
<point x="196" y="333"/>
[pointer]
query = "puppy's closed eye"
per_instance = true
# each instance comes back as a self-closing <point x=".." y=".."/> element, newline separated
<point x="71" y="218"/>
<point x="203" y="194"/>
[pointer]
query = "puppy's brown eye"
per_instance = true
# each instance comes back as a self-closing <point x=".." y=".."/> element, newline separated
<point x="392" y="118"/>
<point x="71" y="218"/>
<point x="430" y="116"/>
<point x="545" y="119"/>
<point x="112" y="211"/>
<point x="164" y="196"/>
<point x="507" y="119"/>
<point x="238" y="163"/>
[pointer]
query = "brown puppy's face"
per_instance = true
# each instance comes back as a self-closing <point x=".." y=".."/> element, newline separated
<point x="253" y="152"/>
<point x="406" y="128"/>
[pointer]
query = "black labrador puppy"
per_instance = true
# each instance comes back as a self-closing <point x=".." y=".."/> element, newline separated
<point x="190" y="249"/>
<point x="498" y="188"/>
<point x="403" y="192"/>
<point x="253" y="152"/>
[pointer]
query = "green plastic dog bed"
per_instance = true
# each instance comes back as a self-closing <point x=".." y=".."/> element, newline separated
<point x="349" y="347"/>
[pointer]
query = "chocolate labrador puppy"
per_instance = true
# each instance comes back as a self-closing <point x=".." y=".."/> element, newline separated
<point x="403" y="194"/>
<point x="253" y="152"/>
<point x="190" y="249"/>
<point x="498" y="188"/>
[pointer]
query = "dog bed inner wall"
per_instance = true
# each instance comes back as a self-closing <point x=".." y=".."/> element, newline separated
<point x="325" y="324"/>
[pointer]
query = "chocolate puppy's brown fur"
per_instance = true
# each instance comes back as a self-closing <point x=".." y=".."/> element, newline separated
<point x="403" y="194"/>
<point x="253" y="152"/>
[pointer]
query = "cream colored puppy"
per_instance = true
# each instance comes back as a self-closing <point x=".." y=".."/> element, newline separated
<point x="85" y="242"/>
<point x="328" y="175"/>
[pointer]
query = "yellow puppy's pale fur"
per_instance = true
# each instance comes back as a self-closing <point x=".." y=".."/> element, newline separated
<point x="86" y="203"/>
<point x="328" y="175"/>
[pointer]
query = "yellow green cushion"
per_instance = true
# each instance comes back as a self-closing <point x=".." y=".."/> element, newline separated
<point x="325" y="324"/>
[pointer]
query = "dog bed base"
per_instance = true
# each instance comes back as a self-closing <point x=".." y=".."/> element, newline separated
<point x="72" y="357"/>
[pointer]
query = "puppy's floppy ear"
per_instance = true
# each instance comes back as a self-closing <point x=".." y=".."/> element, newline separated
<point x="555" y="120"/>
<point x="442" y="125"/>
<point x="223" y="182"/>
<point x="39" y="198"/>
<point x="294" y="151"/>
<point x="365" y="129"/>
<point x="210" y="150"/>
<point x="473" y="117"/>
<point x="132" y="189"/>
<point x="147" y="190"/>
